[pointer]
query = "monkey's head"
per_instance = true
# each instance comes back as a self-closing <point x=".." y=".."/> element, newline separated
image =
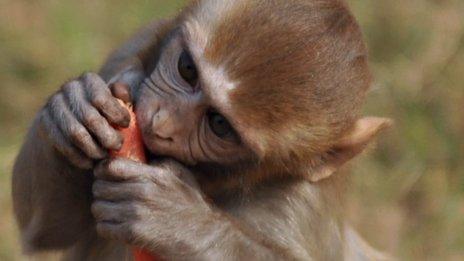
<point x="276" y="83"/>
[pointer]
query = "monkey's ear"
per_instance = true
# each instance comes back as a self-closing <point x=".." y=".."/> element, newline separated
<point x="352" y="144"/>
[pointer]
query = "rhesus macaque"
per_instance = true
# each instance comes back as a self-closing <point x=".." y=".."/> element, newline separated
<point x="248" y="108"/>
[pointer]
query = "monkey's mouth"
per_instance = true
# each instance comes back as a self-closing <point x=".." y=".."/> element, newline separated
<point x="155" y="157"/>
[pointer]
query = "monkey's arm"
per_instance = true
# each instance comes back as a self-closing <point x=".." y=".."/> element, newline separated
<point x="51" y="196"/>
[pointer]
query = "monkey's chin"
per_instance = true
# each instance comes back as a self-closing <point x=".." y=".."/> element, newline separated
<point x="153" y="158"/>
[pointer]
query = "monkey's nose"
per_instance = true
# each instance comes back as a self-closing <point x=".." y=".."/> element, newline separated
<point x="164" y="137"/>
<point x="164" y="126"/>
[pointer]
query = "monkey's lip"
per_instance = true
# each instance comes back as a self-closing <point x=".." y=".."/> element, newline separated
<point x="161" y="138"/>
<point x="153" y="157"/>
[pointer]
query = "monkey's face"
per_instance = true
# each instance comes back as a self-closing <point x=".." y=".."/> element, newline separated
<point x="180" y="110"/>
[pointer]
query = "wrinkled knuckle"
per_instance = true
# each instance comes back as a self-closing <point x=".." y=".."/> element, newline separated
<point x="54" y="100"/>
<point x="97" y="188"/>
<point x="99" y="228"/>
<point x="88" y="77"/>
<point x="78" y="134"/>
<point x="66" y="87"/>
<point x="111" y="165"/>
<point x="114" y="139"/>
<point x="128" y="233"/>
<point x="93" y="80"/>
<point x="145" y="191"/>
<point x="50" y="106"/>
<point x="120" y="116"/>
<point x="43" y="117"/>
<point x="70" y="86"/>
<point x="96" y="210"/>
<point x="172" y="166"/>
<point x="159" y="169"/>
<point x="99" y="101"/>
<point x="132" y="231"/>
<point x="137" y="210"/>
<point x="168" y="173"/>
<point x="91" y="119"/>
<point x="172" y="162"/>
<point x="114" y="166"/>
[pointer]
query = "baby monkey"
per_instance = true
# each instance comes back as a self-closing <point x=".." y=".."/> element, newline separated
<point x="247" y="109"/>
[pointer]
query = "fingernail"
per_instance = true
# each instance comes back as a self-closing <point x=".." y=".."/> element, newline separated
<point x="126" y="122"/>
<point x="121" y="91"/>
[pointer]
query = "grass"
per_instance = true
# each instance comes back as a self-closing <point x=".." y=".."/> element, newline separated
<point x="407" y="195"/>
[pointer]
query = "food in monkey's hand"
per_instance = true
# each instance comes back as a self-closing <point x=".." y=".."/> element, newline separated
<point x="132" y="147"/>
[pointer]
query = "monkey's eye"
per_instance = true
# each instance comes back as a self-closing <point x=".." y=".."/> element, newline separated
<point x="187" y="69"/>
<point x="220" y="126"/>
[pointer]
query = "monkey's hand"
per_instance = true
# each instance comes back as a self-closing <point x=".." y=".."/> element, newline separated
<point x="152" y="207"/>
<point x="76" y="120"/>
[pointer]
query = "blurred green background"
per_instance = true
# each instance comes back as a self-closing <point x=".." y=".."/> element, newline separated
<point x="407" y="195"/>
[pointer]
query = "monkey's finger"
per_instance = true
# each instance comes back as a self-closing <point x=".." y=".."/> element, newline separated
<point x="106" y="211"/>
<point x="73" y="129"/>
<point x="121" y="91"/>
<point x="117" y="191"/>
<point x="122" y="169"/>
<point x="117" y="231"/>
<point x="173" y="168"/>
<point x="90" y="117"/>
<point x="61" y="144"/>
<point x="100" y="96"/>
